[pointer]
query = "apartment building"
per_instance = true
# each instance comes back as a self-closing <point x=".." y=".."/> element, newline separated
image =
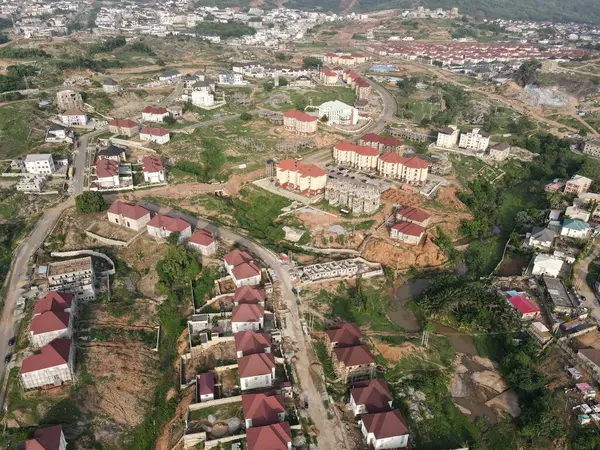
<point x="448" y="136"/>
<point x="299" y="122"/>
<point x="381" y="143"/>
<point x="411" y="170"/>
<point x="357" y="156"/>
<point x="308" y="179"/>
<point x="73" y="276"/>
<point x="352" y="194"/>
<point x="39" y="164"/>
<point x="73" y="117"/>
<point x="328" y="77"/>
<point x="592" y="147"/>
<point x="338" y="113"/>
<point x="500" y="152"/>
<point x="476" y="140"/>
<point x="578" y="184"/>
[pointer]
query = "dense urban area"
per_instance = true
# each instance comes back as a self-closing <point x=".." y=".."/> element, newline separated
<point x="299" y="224"/>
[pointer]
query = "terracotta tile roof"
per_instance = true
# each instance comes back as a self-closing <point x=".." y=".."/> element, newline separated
<point x="307" y="170"/>
<point x="154" y="131"/>
<point x="250" y="342"/>
<point x="256" y="365"/>
<point x="173" y="224"/>
<point x="364" y="150"/>
<point x="247" y="313"/>
<point x="523" y="305"/>
<point x="203" y="237"/>
<point x="152" y="164"/>
<point x="328" y="72"/>
<point x="206" y="383"/>
<point x="133" y="212"/>
<point x="245" y="270"/>
<point x="263" y="408"/>
<point x="388" y="141"/>
<point x="107" y="168"/>
<point x="413" y="162"/>
<point x="53" y="301"/>
<point x="345" y="335"/>
<point x="412" y="213"/>
<point x="410" y="229"/>
<point x="416" y="163"/>
<point x="54" y="354"/>
<point x="123" y="123"/>
<point x="235" y="257"/>
<point x="354" y="356"/>
<point x="299" y="115"/>
<point x="248" y="294"/>
<point x="43" y="439"/>
<point x="155" y="110"/>
<point x="374" y="394"/>
<point x="50" y="321"/>
<point x="386" y="424"/>
<point x="270" y="437"/>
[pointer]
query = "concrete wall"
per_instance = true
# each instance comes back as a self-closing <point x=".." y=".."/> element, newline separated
<point x="87" y="253"/>
<point x="221" y="401"/>
<point x="216" y="442"/>
<point x="191" y="440"/>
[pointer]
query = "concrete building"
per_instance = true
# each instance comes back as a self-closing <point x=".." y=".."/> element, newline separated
<point x="308" y="179"/>
<point x="407" y="232"/>
<point x="541" y="238"/>
<point x="411" y="170"/>
<point x="475" y="140"/>
<point x="332" y="269"/>
<point x="381" y="143"/>
<point x="576" y="229"/>
<point x="49" y="438"/>
<point x="270" y="437"/>
<point x="110" y="86"/>
<point x="370" y="397"/>
<point x="154" y="114"/>
<point x="265" y="408"/>
<point x="576" y="213"/>
<point x="51" y="366"/>
<point x="385" y="430"/>
<point x="546" y="265"/>
<point x="205" y="387"/>
<point x="203" y="241"/>
<point x="123" y="127"/>
<point x="577" y="185"/>
<point x="413" y="215"/>
<point x="203" y="98"/>
<point x="68" y="99"/>
<point x="74" y="117"/>
<point x="360" y="157"/>
<point x="328" y="77"/>
<point x="107" y="173"/>
<point x="448" y="136"/>
<point x="134" y="217"/>
<point x="161" y="226"/>
<point x="247" y="317"/>
<point x="499" y="152"/>
<point x="591" y="358"/>
<point x="112" y="152"/>
<point x="592" y="147"/>
<point x="230" y="78"/>
<point x="50" y="325"/>
<point x="526" y="310"/>
<point x="158" y="135"/>
<point x="352" y="194"/>
<point x="256" y="371"/>
<point x="39" y="164"/>
<point x="353" y="364"/>
<point x="299" y="122"/>
<point x="338" y="113"/>
<point x="170" y="75"/>
<point x="153" y="169"/>
<point x="250" y="342"/>
<point x="59" y="133"/>
<point x="74" y="276"/>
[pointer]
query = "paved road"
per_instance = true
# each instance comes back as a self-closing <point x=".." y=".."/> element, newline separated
<point x="79" y="165"/>
<point x="580" y="272"/>
<point x="330" y="436"/>
<point x="173" y="96"/>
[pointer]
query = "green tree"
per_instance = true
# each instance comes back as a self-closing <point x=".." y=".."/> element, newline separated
<point x="282" y="56"/>
<point x="311" y="62"/>
<point x="527" y="73"/>
<point x="324" y="118"/>
<point x="178" y="268"/>
<point x="246" y="116"/>
<point x="173" y="238"/>
<point x="212" y="158"/>
<point x="169" y="120"/>
<point x="90" y="202"/>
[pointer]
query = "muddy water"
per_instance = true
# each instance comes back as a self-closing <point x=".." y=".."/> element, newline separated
<point x="399" y="314"/>
<point x="462" y="343"/>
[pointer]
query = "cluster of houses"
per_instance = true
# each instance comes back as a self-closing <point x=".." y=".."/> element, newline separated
<point x="410" y="224"/>
<point x="361" y="87"/>
<point x="476" y="141"/>
<point x="345" y="59"/>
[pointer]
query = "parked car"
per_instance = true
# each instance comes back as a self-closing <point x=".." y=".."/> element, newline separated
<point x="11" y="341"/>
<point x="7" y="358"/>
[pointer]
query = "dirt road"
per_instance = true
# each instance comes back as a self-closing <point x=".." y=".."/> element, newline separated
<point x="580" y="272"/>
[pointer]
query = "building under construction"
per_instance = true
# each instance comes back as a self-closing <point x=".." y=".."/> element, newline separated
<point x="352" y="193"/>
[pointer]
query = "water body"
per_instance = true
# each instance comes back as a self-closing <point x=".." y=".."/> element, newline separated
<point x="400" y="315"/>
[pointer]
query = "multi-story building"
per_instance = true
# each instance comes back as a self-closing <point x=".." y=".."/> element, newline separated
<point x="328" y="77"/>
<point x="407" y="232"/>
<point x="475" y="140"/>
<point x="299" y="122"/>
<point x="39" y="164"/>
<point x="170" y="75"/>
<point x="264" y="408"/>
<point x="231" y="78"/>
<point x="256" y="371"/>
<point x="353" y="363"/>
<point x="411" y="170"/>
<point x="204" y="241"/>
<point x="413" y="215"/>
<point x="124" y="127"/>
<point x="158" y="135"/>
<point x="592" y="147"/>
<point x="74" y="276"/>
<point x="338" y="113"/>
<point x="153" y="169"/>
<point x="383" y="144"/>
<point x="68" y="99"/>
<point x="107" y="171"/>
<point x="49" y="438"/>
<point x="352" y="194"/>
<point x="74" y="117"/>
<point x="203" y="98"/>
<point x="578" y="184"/>
<point x="50" y="325"/>
<point x="112" y="152"/>
<point x="500" y="152"/>
<point x="357" y="156"/>
<point x="51" y="366"/>
<point x="308" y="179"/>
<point x="161" y="226"/>
<point x="134" y="217"/>
<point x="448" y="136"/>
<point x="154" y="114"/>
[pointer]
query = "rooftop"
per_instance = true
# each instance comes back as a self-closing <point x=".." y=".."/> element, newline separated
<point x="408" y="228"/>
<point x="256" y="365"/>
<point x="306" y="170"/>
<point x="53" y="301"/>
<point x="354" y="356"/>
<point x="412" y="213"/>
<point x="173" y="224"/>
<point x="50" y="321"/>
<point x="247" y="313"/>
<point x="249" y="294"/>
<point x="54" y="354"/>
<point x="133" y="212"/>
<point x="44" y="439"/>
<point x="263" y="408"/>
<point x="70" y="266"/>
<point x="346" y="334"/>
<point x="270" y="437"/>
<point x="386" y="424"/>
<point x="374" y="394"/>
<point x="249" y="342"/>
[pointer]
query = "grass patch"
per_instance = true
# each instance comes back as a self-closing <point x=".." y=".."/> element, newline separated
<point x="323" y="355"/>
<point x="221" y="412"/>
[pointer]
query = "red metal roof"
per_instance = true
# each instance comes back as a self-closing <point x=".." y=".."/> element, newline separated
<point x="412" y="213"/>
<point x="247" y="313"/>
<point x="133" y="212"/>
<point x="248" y="294"/>
<point x="123" y="123"/>
<point x="386" y="424"/>
<point x="154" y="131"/>
<point x="53" y="301"/>
<point x="250" y="342"/>
<point x="256" y="365"/>
<point x="54" y="354"/>
<point x="245" y="270"/>
<point x="374" y="394"/>
<point x="388" y="141"/>
<point x="206" y="383"/>
<point x="306" y="170"/>
<point x="50" y="321"/>
<point x="43" y="439"/>
<point x="270" y="437"/>
<point x="300" y="116"/>
<point x="155" y="110"/>
<point x="173" y="224"/>
<point x="410" y="229"/>
<point x="107" y="168"/>
<point x="263" y="408"/>
<point x="152" y="164"/>
<point x="202" y="237"/>
<point x="347" y="146"/>
<point x="354" y="356"/>
<point x="523" y="305"/>
<point x="346" y="334"/>
<point x="413" y="162"/>
<point x="235" y="257"/>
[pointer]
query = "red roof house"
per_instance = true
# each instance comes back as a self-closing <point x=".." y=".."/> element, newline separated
<point x="205" y="387"/>
<point x="344" y="335"/>
<point x="247" y="313"/>
<point x="53" y="301"/>
<point x="250" y="342"/>
<point x="256" y="365"/>
<point x="525" y="307"/>
<point x="235" y="257"/>
<point x="249" y="294"/>
<point x="389" y="426"/>
<point x="371" y="397"/>
<point x="49" y="438"/>
<point x="265" y="408"/>
<point x="413" y="215"/>
<point x="299" y="115"/>
<point x="152" y="164"/>
<point x="354" y="356"/>
<point x="107" y="168"/>
<point x="168" y="223"/>
<point x="52" y="365"/>
<point x="407" y="232"/>
<point x="155" y="110"/>
<point x="271" y="437"/>
<point x="129" y="211"/>
<point x="380" y="142"/>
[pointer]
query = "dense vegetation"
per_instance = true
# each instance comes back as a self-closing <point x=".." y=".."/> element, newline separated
<point x="90" y="202"/>
<point x="14" y="78"/>
<point x="224" y="30"/>
<point x="9" y="233"/>
<point x="108" y="45"/>
<point x="22" y="53"/>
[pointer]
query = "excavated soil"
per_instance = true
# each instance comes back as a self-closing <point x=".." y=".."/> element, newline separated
<point x="394" y="352"/>
<point x="404" y="256"/>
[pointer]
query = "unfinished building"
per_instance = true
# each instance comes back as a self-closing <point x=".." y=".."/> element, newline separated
<point x="75" y="276"/>
<point x="353" y="194"/>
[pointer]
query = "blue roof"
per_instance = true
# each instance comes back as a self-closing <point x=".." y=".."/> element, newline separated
<point x="574" y="224"/>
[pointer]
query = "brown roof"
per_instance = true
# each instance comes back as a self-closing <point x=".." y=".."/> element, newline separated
<point x="235" y="257"/>
<point x="354" y="356"/>
<point x="53" y="301"/>
<point x="374" y="394"/>
<point x="106" y="168"/>
<point x="44" y="439"/>
<point x="248" y="294"/>
<point x="54" y="354"/>
<point x="152" y="164"/>
<point x="154" y="131"/>
<point x="389" y="141"/>
<point x="203" y="237"/>
<point x="270" y="437"/>
<point x="245" y="270"/>
<point x="263" y="408"/>
<point x="50" y="321"/>
<point x="250" y="342"/>
<point x="345" y="335"/>
<point x="412" y="213"/>
<point x="408" y="228"/>
<point x="206" y="383"/>
<point x="386" y="424"/>
<point x="169" y="223"/>
<point x="154" y="110"/>
<point x="592" y="354"/>
<point x="413" y="162"/>
<point x="73" y="112"/>
<point x="123" y="123"/>
<point x="255" y="365"/>
<point x="300" y="116"/>
<point x="133" y="212"/>
<point x="364" y="150"/>
<point x="294" y="165"/>
<point x="247" y="313"/>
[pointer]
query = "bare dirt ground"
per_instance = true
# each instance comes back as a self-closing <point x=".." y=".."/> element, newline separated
<point x="71" y="226"/>
<point x="143" y="254"/>
<point x="110" y="230"/>
<point x="207" y="360"/>
<point x="394" y="352"/>
<point x="403" y="256"/>
<point x="591" y="339"/>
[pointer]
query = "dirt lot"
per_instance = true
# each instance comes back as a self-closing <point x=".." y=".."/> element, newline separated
<point x="107" y="229"/>
<point x="591" y="339"/>
<point x="402" y="256"/>
<point x="224" y="351"/>
<point x="71" y="225"/>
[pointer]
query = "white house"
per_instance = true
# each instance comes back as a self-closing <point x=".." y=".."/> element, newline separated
<point x="50" y="325"/>
<point x="370" y="397"/>
<point x="39" y="164"/>
<point x="541" y="238"/>
<point x="154" y="114"/>
<point x="448" y="136"/>
<point x="264" y="408"/>
<point x="576" y="213"/>
<point x="49" y="438"/>
<point x="339" y="113"/>
<point x="249" y="294"/>
<point x="161" y="226"/>
<point x="158" y="135"/>
<point x="58" y="133"/>
<point x="134" y="217"/>
<point x="385" y="430"/>
<point x="242" y="268"/>
<point x="247" y="317"/>
<point x="546" y="265"/>
<point x="107" y="171"/>
<point x="74" y="117"/>
<point x="51" y="366"/>
<point x="204" y="242"/>
<point x="203" y="98"/>
<point x="110" y="86"/>
<point x="170" y="75"/>
<point x="250" y="342"/>
<point x="205" y="387"/>
<point x="154" y="172"/>
<point x="256" y="371"/>
<point x="475" y="140"/>
<point x="576" y="229"/>
<point x="231" y="78"/>
<point x="408" y="232"/>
